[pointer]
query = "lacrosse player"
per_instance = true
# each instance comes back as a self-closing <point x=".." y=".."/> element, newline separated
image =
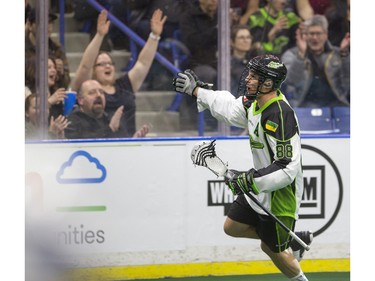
<point x="276" y="179"/>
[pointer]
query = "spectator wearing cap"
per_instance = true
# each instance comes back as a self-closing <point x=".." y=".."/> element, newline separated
<point x="54" y="48"/>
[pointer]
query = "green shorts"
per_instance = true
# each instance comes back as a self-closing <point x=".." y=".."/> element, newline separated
<point x="270" y="232"/>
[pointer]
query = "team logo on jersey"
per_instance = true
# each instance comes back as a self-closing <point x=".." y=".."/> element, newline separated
<point x="255" y="144"/>
<point x="271" y="126"/>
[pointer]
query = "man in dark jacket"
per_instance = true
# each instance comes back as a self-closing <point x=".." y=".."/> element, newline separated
<point x="89" y="119"/>
<point x="318" y="73"/>
<point x="199" y="33"/>
<point x="198" y="25"/>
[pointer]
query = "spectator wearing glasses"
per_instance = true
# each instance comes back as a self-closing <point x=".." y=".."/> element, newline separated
<point x="100" y="66"/>
<point x="318" y="72"/>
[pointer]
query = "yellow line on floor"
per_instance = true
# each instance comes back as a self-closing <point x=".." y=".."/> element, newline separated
<point x="200" y="269"/>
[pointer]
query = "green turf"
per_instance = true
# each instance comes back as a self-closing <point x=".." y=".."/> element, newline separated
<point x="323" y="276"/>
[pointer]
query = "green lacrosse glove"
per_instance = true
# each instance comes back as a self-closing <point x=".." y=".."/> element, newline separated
<point x="187" y="81"/>
<point x="241" y="182"/>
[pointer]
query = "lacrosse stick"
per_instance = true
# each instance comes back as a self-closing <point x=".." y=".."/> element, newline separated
<point x="203" y="154"/>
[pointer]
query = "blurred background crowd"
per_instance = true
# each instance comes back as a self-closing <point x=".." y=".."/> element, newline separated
<point x="122" y="90"/>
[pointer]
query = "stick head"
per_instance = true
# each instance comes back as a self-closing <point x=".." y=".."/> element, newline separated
<point x="203" y="154"/>
<point x="201" y="151"/>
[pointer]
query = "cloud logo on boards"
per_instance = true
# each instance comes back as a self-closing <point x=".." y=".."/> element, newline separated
<point x="81" y="168"/>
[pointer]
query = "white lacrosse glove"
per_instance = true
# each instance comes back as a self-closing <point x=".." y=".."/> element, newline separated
<point x="187" y="81"/>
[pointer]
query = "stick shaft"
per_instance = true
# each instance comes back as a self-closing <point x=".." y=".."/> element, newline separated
<point x="299" y="240"/>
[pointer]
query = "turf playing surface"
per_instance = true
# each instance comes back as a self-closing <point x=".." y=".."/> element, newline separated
<point x="324" y="276"/>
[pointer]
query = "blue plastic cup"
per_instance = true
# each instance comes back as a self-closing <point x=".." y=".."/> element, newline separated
<point x="69" y="102"/>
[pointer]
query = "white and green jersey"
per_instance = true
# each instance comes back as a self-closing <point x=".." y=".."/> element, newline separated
<point x="275" y="144"/>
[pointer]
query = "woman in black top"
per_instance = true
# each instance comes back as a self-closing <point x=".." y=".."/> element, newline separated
<point x="99" y="66"/>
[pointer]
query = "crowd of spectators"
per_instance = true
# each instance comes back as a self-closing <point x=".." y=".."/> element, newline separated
<point x="312" y="37"/>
